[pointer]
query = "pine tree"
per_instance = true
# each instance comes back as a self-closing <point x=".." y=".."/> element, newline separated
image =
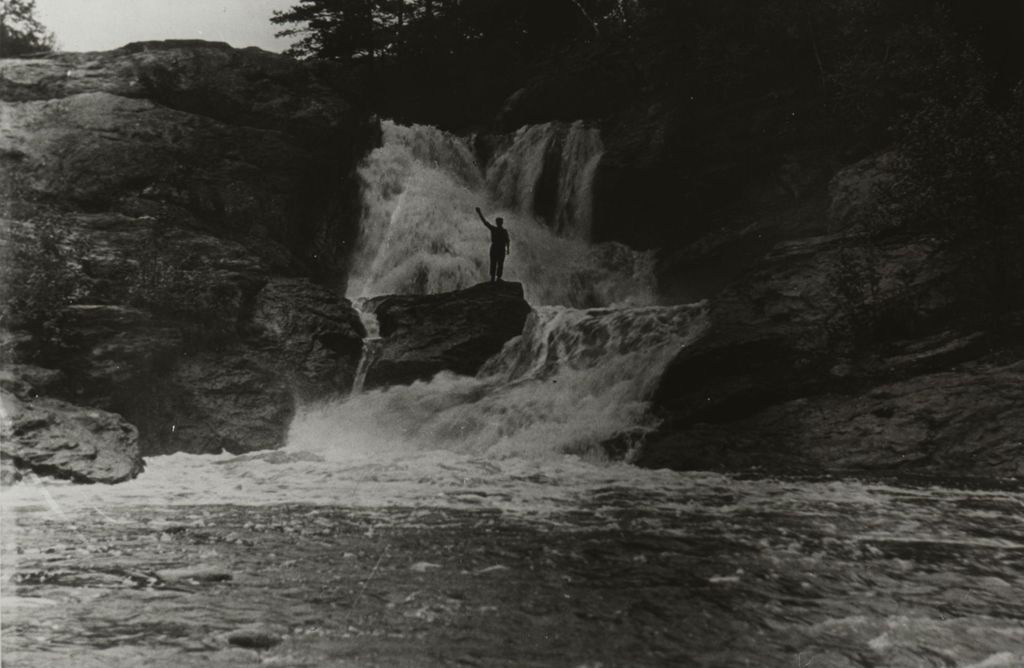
<point x="20" y="31"/>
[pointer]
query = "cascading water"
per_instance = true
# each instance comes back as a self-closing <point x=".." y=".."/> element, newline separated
<point x="420" y="233"/>
<point x="576" y="379"/>
<point x="573" y="381"/>
<point x="548" y="170"/>
<point x="371" y="347"/>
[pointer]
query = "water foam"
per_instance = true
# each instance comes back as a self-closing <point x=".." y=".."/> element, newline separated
<point x="575" y="380"/>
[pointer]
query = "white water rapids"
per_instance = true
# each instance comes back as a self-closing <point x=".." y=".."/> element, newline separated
<point x="374" y="532"/>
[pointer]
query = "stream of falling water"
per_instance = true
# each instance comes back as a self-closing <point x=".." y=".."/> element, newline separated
<point x="525" y="466"/>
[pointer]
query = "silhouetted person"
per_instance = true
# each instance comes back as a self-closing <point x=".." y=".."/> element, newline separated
<point x="499" y="245"/>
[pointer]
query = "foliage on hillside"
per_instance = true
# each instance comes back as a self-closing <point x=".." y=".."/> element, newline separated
<point x="709" y="97"/>
<point x="20" y="31"/>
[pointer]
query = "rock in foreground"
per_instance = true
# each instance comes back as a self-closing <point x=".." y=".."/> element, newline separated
<point x="55" y="438"/>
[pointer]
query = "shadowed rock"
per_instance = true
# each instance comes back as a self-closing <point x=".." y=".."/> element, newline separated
<point x="55" y="438"/>
<point x="966" y="421"/>
<point x="864" y="350"/>
<point x="454" y="331"/>
<point x="170" y="212"/>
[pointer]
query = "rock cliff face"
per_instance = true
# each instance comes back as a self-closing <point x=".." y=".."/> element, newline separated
<point x="456" y="331"/>
<point x="171" y="213"/>
<point x="860" y="350"/>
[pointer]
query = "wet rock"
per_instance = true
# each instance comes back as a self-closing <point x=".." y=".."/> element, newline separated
<point x="254" y="637"/>
<point x="231" y="401"/>
<point x="52" y="437"/>
<point x="319" y="336"/>
<point x="454" y="331"/>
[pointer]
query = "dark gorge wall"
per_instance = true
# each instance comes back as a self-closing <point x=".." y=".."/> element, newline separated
<point x="842" y="184"/>
<point x="171" y="214"/>
<point x="858" y="351"/>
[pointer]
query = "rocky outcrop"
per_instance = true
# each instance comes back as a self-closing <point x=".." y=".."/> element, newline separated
<point x="965" y="421"/>
<point x="247" y="143"/>
<point x="172" y="212"/>
<point x="312" y="333"/>
<point x="861" y="350"/>
<point x="455" y="331"/>
<point x="201" y="350"/>
<point x="806" y="317"/>
<point x="59" y="439"/>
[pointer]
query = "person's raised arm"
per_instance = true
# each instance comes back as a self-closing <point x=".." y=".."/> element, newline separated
<point x="482" y="219"/>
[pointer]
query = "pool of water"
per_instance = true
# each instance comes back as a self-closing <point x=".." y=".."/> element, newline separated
<point x="442" y="560"/>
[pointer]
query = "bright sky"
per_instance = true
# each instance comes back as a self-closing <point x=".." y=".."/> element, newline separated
<point x="99" y="25"/>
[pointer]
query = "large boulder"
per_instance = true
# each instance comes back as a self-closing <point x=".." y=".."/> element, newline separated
<point x="314" y="335"/>
<point x="59" y="439"/>
<point x="171" y="214"/>
<point x="454" y="331"/>
<point x="808" y="317"/>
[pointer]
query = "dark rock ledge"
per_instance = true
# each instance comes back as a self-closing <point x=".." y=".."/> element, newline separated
<point x="861" y="351"/>
<point x="455" y="331"/>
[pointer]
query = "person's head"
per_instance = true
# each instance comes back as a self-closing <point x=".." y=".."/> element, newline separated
<point x="499" y="221"/>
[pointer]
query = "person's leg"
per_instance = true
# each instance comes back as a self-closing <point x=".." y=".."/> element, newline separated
<point x="496" y="263"/>
<point x="501" y="264"/>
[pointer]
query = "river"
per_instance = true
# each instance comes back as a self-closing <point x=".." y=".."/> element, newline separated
<point x="495" y="520"/>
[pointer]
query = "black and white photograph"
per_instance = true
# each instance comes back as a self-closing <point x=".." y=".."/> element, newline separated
<point x="512" y="333"/>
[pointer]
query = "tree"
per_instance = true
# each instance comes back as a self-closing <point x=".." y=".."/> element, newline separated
<point x="20" y="31"/>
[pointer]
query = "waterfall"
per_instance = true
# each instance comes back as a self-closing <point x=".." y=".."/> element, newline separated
<point x="420" y="233"/>
<point x="580" y="375"/>
<point x="548" y="170"/>
<point x="574" y="381"/>
<point x="372" y="346"/>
